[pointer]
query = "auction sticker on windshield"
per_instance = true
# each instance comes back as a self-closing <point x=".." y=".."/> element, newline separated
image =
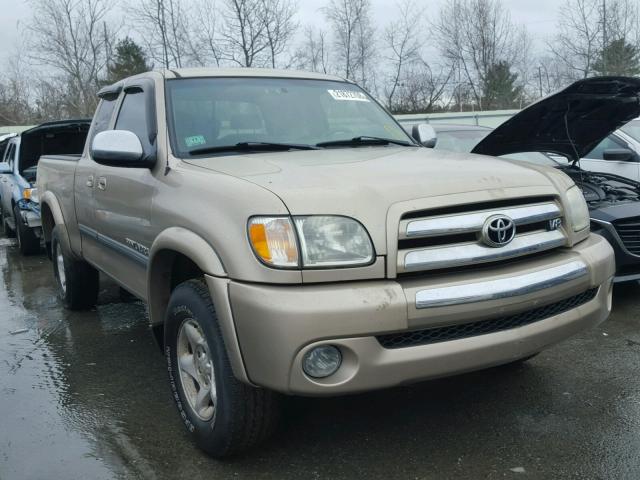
<point x="349" y="95"/>
<point x="195" y="140"/>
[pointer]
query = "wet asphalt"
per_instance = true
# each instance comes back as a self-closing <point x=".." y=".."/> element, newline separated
<point x="84" y="396"/>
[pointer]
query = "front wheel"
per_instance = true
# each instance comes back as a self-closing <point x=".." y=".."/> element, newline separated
<point x="224" y="415"/>
<point x="78" y="282"/>
<point x="28" y="241"/>
<point x="6" y="230"/>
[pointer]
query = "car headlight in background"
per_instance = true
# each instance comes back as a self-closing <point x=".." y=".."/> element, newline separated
<point x="31" y="194"/>
<point x="324" y="241"/>
<point x="577" y="209"/>
<point x="332" y="241"/>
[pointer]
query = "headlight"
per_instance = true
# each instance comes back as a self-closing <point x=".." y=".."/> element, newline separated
<point x="333" y="242"/>
<point x="325" y="242"/>
<point x="577" y="210"/>
<point x="274" y="241"/>
<point x="31" y="194"/>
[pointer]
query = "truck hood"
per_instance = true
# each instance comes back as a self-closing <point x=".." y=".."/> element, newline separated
<point x="358" y="181"/>
<point x="571" y="122"/>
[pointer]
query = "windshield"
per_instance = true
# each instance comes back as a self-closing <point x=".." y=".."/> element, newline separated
<point x="217" y="112"/>
<point x="460" y="140"/>
<point x="632" y="129"/>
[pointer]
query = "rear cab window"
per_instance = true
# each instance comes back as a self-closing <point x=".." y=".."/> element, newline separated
<point x="133" y="116"/>
<point x="102" y="117"/>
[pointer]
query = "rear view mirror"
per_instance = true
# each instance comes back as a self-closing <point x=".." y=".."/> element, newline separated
<point x="619" y="154"/>
<point x="4" y="168"/>
<point x="424" y="134"/>
<point x="119" y="148"/>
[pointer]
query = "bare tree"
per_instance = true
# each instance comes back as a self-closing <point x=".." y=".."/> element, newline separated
<point x="403" y="41"/>
<point x="15" y="92"/>
<point x="354" y="39"/>
<point x="243" y="32"/>
<point x="205" y="46"/>
<point x="256" y="32"/>
<point x="421" y="89"/>
<point x="164" y="26"/>
<point x="279" y="25"/>
<point x="72" y="37"/>
<point x="474" y="36"/>
<point x="586" y="28"/>
<point x="579" y="36"/>
<point x="313" y="53"/>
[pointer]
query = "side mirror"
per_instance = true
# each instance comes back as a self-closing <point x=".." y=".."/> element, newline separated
<point x="4" y="168"/>
<point x="424" y="134"/>
<point x="618" y="154"/>
<point x="119" y="148"/>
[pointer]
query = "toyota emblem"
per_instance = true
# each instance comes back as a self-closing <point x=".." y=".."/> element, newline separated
<point x="498" y="231"/>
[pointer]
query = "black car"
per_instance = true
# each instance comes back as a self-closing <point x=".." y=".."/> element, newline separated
<point x="568" y="125"/>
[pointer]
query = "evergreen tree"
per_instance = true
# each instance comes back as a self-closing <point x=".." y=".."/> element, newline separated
<point x="499" y="88"/>
<point x="618" y="58"/>
<point x="129" y="59"/>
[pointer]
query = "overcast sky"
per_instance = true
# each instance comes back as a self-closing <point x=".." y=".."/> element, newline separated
<point x="538" y="15"/>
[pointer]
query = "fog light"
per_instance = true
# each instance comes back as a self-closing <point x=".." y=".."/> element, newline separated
<point x="322" y="361"/>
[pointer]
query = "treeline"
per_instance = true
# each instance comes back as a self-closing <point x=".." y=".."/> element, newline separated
<point x="469" y="55"/>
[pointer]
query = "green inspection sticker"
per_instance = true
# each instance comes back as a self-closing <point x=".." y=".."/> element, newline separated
<point x="195" y="140"/>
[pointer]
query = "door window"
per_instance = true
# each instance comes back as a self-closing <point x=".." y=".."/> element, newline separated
<point x="606" y="144"/>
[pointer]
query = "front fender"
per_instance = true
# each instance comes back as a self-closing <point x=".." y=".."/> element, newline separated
<point x="191" y="245"/>
<point x="161" y="254"/>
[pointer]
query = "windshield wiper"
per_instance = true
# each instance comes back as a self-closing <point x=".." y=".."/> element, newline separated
<point x="253" y="146"/>
<point x="365" y="140"/>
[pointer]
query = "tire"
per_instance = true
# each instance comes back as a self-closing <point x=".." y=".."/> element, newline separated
<point x="28" y="242"/>
<point x="6" y="230"/>
<point x="237" y="416"/>
<point x="78" y="282"/>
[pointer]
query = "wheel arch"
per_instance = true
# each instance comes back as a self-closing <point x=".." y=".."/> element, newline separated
<point x="51" y="215"/>
<point x="177" y="255"/>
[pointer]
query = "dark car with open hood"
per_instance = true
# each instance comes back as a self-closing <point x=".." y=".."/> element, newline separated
<point x="558" y="131"/>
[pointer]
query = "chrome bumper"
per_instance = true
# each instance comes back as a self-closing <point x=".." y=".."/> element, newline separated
<point x="503" y="288"/>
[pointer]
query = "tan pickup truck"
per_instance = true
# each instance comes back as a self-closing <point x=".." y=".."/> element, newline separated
<point x="290" y="237"/>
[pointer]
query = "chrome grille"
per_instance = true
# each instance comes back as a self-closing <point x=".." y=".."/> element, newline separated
<point x="629" y="232"/>
<point x="454" y="240"/>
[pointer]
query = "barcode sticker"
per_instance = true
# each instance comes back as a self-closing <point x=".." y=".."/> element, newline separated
<point x="348" y="95"/>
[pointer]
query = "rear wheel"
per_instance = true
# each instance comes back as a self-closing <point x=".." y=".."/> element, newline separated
<point x="224" y="415"/>
<point x="78" y="282"/>
<point x="28" y="242"/>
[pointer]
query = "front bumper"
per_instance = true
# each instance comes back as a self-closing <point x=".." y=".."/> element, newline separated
<point x="30" y="212"/>
<point x="627" y="264"/>
<point x="276" y="325"/>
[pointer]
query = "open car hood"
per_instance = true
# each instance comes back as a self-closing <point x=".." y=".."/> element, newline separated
<point x="571" y="122"/>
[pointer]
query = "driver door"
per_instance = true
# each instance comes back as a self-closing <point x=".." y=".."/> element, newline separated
<point x="123" y="196"/>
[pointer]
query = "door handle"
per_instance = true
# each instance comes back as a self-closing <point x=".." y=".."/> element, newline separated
<point x="102" y="183"/>
<point x="90" y="181"/>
